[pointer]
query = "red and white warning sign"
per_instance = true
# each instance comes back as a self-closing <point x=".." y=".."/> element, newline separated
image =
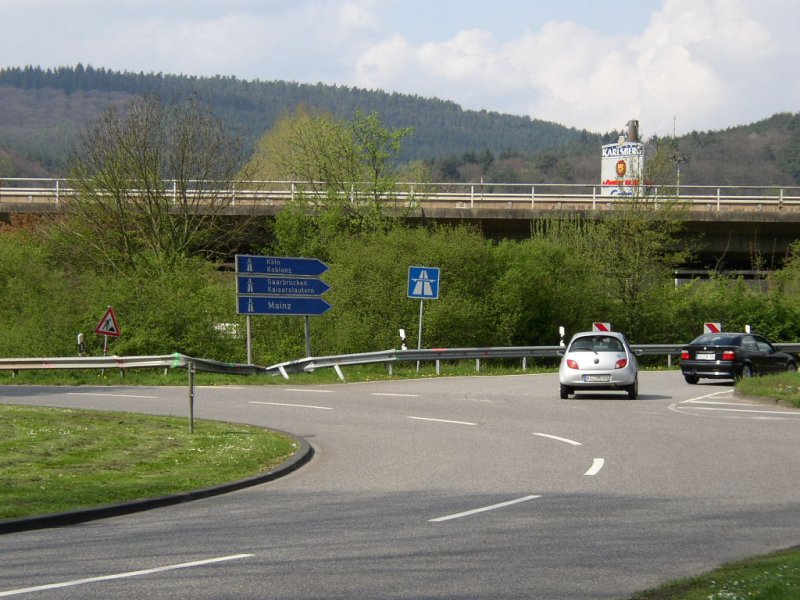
<point x="601" y="326"/>
<point x="712" y="327"/>
<point x="108" y="324"/>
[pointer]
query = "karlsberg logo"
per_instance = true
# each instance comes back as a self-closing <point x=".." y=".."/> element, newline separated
<point x="614" y="150"/>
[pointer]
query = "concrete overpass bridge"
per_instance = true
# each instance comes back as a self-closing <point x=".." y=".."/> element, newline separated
<point x="736" y="223"/>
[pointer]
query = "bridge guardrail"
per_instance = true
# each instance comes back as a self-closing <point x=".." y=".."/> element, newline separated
<point x="454" y="195"/>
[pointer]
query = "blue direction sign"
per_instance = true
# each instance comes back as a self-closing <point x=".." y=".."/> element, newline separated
<point x="280" y="286"/>
<point x="281" y="305"/>
<point x="279" y="265"/>
<point x="423" y="283"/>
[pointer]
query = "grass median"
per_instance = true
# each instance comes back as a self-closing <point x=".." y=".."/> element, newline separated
<point x="54" y="460"/>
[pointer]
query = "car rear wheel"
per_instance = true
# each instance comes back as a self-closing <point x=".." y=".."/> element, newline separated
<point x="691" y="379"/>
<point x="633" y="389"/>
<point x="747" y="371"/>
<point x="565" y="392"/>
<point x="791" y="367"/>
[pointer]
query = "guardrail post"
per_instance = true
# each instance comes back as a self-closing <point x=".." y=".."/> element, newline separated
<point x="780" y="200"/>
<point x="533" y="195"/>
<point x="524" y="363"/>
<point x="191" y="396"/>
<point x="339" y="371"/>
<point x="477" y="365"/>
<point x="594" y="197"/>
<point x="57" y="190"/>
<point x="472" y="196"/>
<point x="718" y="199"/>
<point x="438" y="367"/>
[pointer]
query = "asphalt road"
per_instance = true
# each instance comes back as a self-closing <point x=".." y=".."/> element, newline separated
<point x="478" y="487"/>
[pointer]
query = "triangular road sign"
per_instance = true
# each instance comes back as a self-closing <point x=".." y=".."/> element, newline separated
<point x="108" y="324"/>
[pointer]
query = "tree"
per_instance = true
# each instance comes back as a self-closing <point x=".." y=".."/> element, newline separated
<point x="151" y="184"/>
<point x="346" y="174"/>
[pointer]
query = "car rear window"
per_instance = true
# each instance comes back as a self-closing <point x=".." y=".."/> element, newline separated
<point x="718" y="339"/>
<point x="596" y="343"/>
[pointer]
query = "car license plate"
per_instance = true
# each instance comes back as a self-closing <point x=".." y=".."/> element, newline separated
<point x="596" y="378"/>
<point x="705" y="356"/>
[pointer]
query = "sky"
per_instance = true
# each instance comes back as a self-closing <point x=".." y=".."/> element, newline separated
<point x="676" y="66"/>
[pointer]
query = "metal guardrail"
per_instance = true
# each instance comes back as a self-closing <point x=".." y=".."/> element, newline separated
<point x="437" y="355"/>
<point x="167" y="361"/>
<point x="336" y="362"/>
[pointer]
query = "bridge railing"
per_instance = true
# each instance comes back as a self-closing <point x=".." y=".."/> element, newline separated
<point x="468" y="196"/>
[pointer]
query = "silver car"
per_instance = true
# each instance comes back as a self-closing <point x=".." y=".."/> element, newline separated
<point x="599" y="361"/>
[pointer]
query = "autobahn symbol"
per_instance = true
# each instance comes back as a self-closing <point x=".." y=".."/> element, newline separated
<point x="423" y="283"/>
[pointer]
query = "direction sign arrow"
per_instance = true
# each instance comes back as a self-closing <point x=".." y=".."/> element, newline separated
<point x="281" y="305"/>
<point x="279" y="265"/>
<point x="280" y="286"/>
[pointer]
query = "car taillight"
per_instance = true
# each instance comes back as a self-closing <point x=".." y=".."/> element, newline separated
<point x="684" y="355"/>
<point x="572" y="364"/>
<point x="729" y="355"/>
<point x="621" y="363"/>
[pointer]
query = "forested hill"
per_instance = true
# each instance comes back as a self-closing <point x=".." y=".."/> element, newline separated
<point x="42" y="110"/>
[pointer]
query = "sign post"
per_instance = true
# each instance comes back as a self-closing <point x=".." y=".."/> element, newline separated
<point x="280" y="285"/>
<point x="423" y="283"/>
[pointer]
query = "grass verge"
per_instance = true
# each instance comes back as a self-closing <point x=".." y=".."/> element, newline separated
<point x="783" y="388"/>
<point x="772" y="577"/>
<point x="54" y="460"/>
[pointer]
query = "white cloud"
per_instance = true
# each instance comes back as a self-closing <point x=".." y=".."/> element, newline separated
<point x="696" y="60"/>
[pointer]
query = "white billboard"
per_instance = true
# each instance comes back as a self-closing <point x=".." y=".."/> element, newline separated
<point x="622" y="166"/>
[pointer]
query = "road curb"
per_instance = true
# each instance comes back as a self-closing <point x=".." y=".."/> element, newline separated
<point x="764" y="400"/>
<point x="300" y="458"/>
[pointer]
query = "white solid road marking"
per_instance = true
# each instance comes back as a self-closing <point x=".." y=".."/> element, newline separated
<point x="109" y="395"/>
<point x="309" y="391"/>
<point x="718" y="406"/>
<point x="748" y="410"/>
<point x="480" y="510"/>
<point x="395" y="395"/>
<point x="442" y="421"/>
<point x="596" y="466"/>
<point x="291" y="405"/>
<point x="560" y="439"/>
<point x="52" y="586"/>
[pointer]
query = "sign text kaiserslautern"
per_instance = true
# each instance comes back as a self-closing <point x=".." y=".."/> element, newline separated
<point x="279" y="265"/>
<point x="280" y="286"/>
<point x="423" y="283"/>
<point x="281" y="305"/>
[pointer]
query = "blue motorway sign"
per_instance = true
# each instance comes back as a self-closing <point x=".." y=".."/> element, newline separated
<point x="280" y="286"/>
<point x="423" y="283"/>
<point x="281" y="305"/>
<point x="279" y="265"/>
